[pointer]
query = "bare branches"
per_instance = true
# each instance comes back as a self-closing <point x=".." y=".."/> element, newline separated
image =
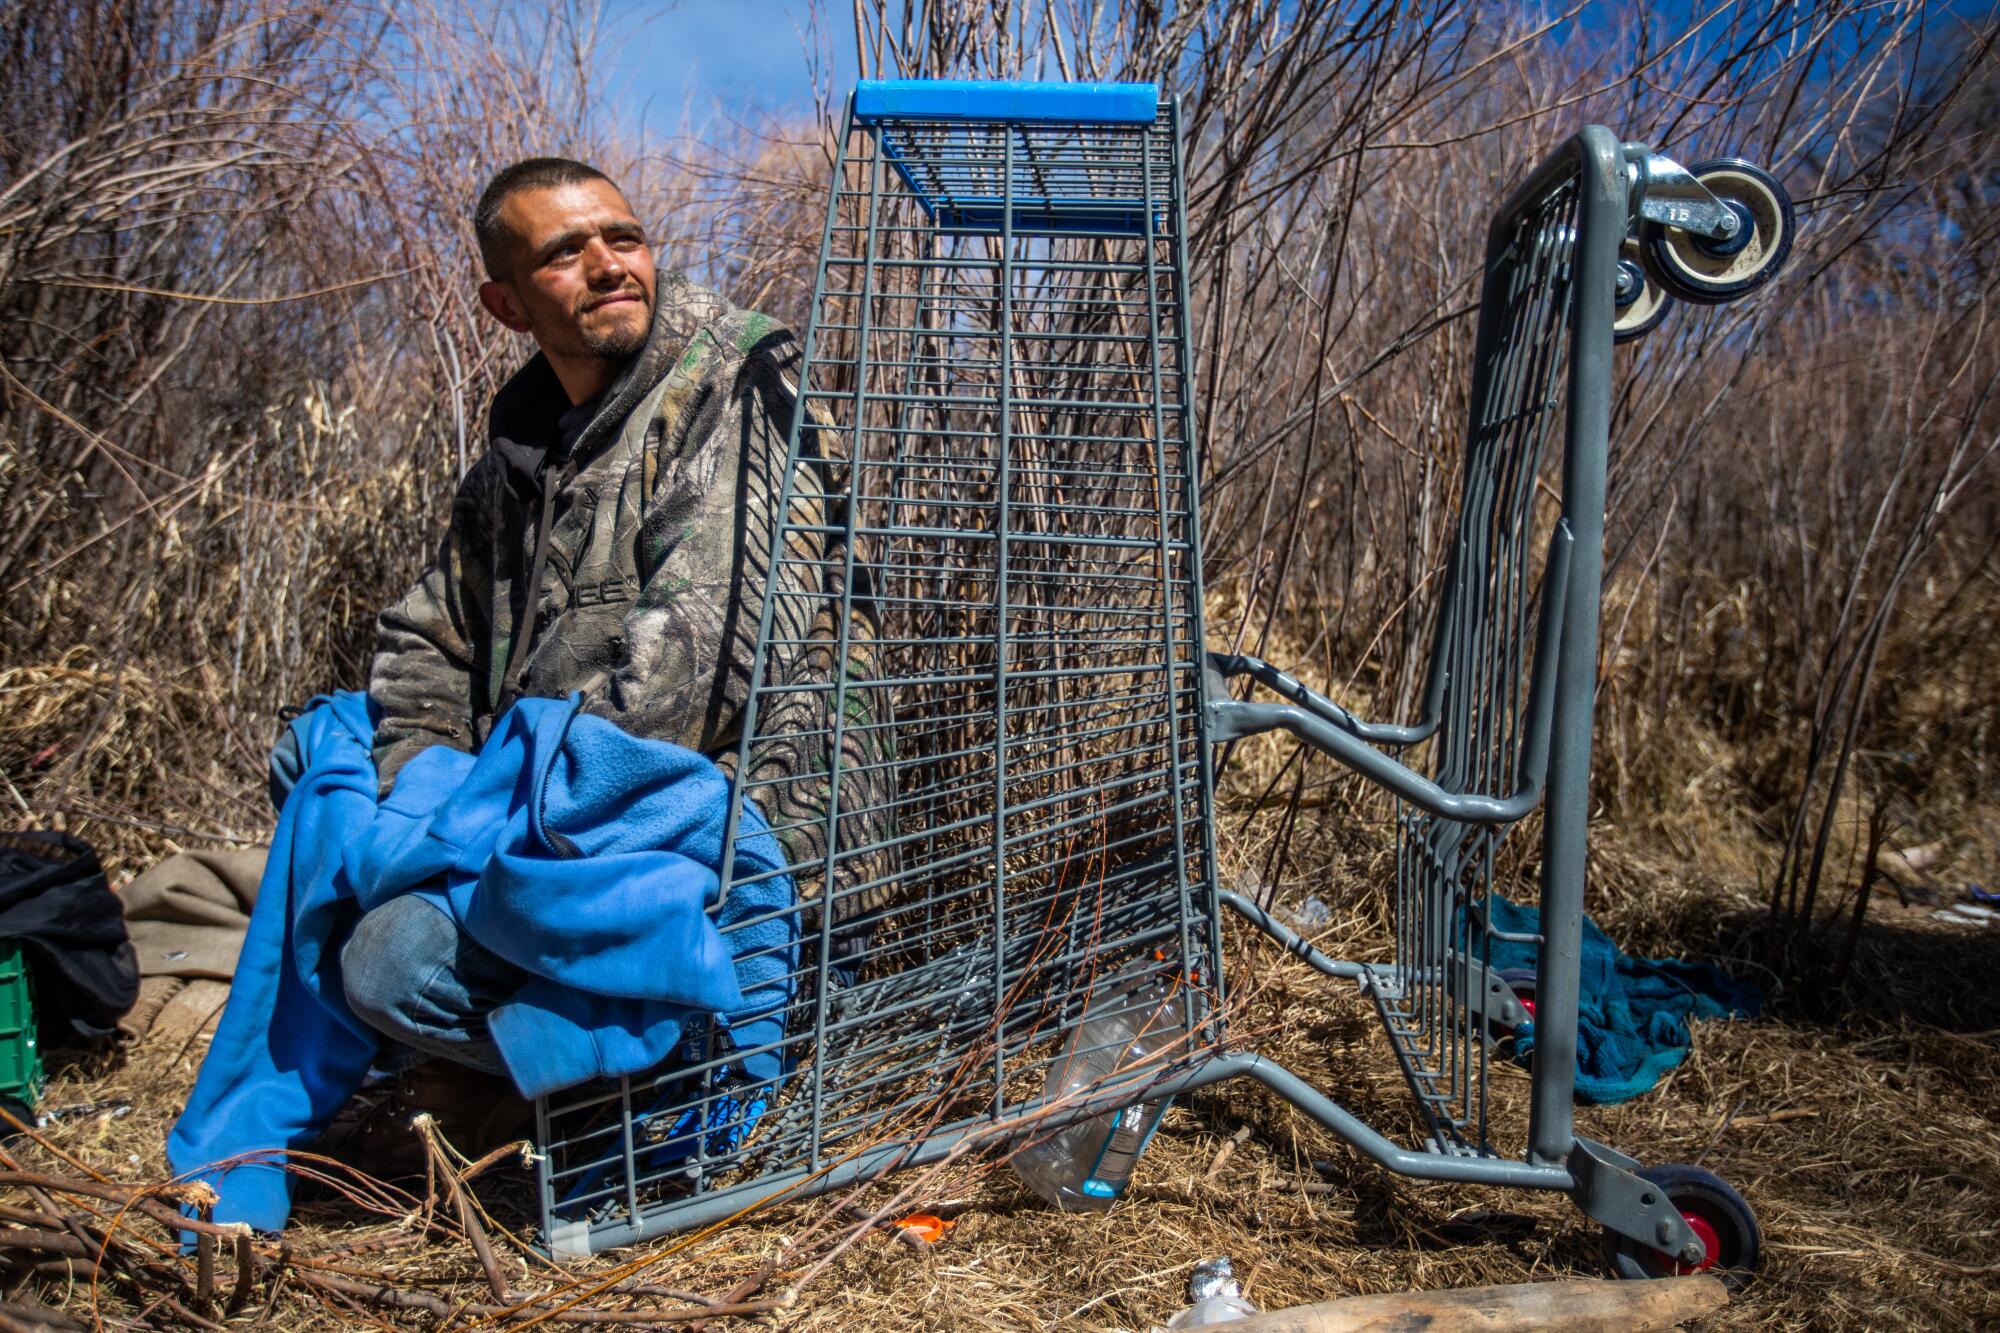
<point x="182" y="1290"/>
<point x="241" y="362"/>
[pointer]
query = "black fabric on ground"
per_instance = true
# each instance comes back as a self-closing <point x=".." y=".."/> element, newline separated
<point x="54" y="901"/>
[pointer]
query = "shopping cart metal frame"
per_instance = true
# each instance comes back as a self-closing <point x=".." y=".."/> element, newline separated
<point x="1551" y="770"/>
<point x="1544" y="355"/>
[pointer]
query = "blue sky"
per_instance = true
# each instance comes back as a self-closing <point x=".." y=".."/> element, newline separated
<point x="745" y="56"/>
<point x="748" y="58"/>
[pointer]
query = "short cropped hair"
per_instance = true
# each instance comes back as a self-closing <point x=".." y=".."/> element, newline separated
<point x="531" y="173"/>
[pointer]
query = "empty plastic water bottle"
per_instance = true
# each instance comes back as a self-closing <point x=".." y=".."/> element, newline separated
<point x="1086" y="1166"/>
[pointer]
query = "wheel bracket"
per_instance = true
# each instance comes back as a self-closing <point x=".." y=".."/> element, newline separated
<point x="1666" y="192"/>
<point x="1607" y="1190"/>
<point x="1479" y="987"/>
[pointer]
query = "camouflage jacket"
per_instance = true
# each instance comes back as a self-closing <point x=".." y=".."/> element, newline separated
<point x="662" y="517"/>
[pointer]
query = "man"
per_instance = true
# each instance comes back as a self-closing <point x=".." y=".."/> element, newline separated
<point x="612" y="541"/>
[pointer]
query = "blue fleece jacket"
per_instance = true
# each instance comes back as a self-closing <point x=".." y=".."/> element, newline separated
<point x="583" y="855"/>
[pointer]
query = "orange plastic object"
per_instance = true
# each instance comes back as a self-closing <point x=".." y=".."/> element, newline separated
<point x="925" y="1227"/>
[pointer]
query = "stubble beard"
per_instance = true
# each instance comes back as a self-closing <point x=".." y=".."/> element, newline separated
<point x="616" y="344"/>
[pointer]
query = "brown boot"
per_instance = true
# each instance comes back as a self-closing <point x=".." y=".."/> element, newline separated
<point x="475" y="1112"/>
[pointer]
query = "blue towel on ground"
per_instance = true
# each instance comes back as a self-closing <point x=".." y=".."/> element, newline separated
<point x="583" y="855"/>
<point x="1632" y="1013"/>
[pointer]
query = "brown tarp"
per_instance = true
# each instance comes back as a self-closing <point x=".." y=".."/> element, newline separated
<point x="187" y="916"/>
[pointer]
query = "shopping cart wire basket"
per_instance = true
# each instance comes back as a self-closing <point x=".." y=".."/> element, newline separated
<point x="988" y="533"/>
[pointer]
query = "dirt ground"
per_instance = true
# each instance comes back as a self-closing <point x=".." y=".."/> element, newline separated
<point x="1862" y="1135"/>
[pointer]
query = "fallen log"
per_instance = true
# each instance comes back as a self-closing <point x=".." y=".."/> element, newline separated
<point x="1586" y="1305"/>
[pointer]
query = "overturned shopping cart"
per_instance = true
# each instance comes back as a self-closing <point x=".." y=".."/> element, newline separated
<point x="988" y="531"/>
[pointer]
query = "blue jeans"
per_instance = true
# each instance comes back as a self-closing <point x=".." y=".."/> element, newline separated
<point x="412" y="975"/>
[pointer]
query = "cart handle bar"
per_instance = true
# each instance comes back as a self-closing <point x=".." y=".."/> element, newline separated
<point x="1332" y="730"/>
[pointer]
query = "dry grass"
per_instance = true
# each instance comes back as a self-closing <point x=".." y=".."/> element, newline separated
<point x="1878" y="1192"/>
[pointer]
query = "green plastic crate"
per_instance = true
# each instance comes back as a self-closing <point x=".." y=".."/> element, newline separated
<point x="20" y="1061"/>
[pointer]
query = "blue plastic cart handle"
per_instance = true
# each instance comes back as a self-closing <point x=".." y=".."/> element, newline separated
<point x="877" y="100"/>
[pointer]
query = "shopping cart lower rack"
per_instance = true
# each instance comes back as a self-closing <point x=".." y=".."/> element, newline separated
<point x="996" y="796"/>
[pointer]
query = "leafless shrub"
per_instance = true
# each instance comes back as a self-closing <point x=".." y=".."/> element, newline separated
<point x="243" y="363"/>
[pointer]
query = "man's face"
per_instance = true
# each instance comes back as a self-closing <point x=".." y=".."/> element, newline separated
<point x="579" y="275"/>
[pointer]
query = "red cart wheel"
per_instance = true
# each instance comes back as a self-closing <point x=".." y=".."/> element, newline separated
<point x="1521" y="981"/>
<point x="1719" y="1217"/>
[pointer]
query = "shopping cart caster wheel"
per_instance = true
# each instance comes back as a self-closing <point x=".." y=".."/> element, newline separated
<point x="1521" y="981"/>
<point x="1717" y="1214"/>
<point x="1640" y="303"/>
<point x="1706" y="271"/>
